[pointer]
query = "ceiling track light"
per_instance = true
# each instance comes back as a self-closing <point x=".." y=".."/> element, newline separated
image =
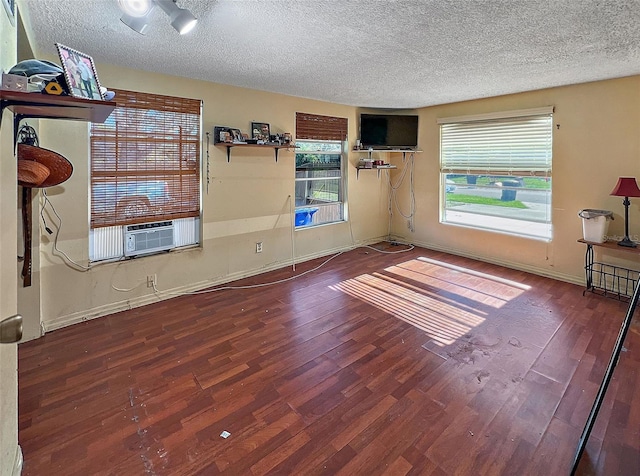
<point x="181" y="18"/>
<point x="136" y="15"/>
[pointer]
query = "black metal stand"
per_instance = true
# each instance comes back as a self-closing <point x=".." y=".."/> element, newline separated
<point x="626" y="241"/>
<point x="606" y="379"/>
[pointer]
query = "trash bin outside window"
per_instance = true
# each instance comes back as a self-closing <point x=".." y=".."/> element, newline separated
<point x="508" y="194"/>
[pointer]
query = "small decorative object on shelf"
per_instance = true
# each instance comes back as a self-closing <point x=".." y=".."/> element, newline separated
<point x="80" y="73"/>
<point x="369" y="165"/>
<point x="228" y="135"/>
<point x="14" y="82"/>
<point x="260" y="131"/>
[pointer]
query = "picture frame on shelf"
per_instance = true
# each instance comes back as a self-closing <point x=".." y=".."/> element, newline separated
<point x="237" y="136"/>
<point x="260" y="131"/>
<point x="79" y="73"/>
<point x="222" y="134"/>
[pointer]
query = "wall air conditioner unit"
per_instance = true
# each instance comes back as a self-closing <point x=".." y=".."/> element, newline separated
<point x="145" y="238"/>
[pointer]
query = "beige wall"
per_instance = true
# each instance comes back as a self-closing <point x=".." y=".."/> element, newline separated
<point x="8" y="280"/>
<point x="248" y="198"/>
<point x="248" y="201"/>
<point x="598" y="140"/>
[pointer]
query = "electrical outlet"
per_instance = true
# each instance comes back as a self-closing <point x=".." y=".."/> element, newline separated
<point x="152" y="280"/>
<point x="259" y="247"/>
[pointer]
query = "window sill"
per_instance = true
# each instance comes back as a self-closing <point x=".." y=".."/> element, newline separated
<point x="307" y="227"/>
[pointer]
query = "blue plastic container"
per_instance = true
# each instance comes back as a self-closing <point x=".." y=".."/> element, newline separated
<point x="304" y="216"/>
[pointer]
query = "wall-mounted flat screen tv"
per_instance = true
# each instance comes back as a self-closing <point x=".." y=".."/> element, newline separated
<point x="388" y="131"/>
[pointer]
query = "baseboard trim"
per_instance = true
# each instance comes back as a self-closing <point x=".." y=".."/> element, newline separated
<point x="18" y="462"/>
<point x="568" y="278"/>
<point x="111" y="308"/>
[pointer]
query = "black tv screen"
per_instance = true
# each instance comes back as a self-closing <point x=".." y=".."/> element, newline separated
<point x="388" y="131"/>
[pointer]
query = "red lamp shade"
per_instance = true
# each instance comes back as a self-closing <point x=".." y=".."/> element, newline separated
<point x="626" y="187"/>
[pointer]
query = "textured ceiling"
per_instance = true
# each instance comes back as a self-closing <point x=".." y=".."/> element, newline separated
<point x="369" y="53"/>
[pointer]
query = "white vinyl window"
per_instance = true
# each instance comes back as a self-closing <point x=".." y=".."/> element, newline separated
<point x="319" y="182"/>
<point x="495" y="172"/>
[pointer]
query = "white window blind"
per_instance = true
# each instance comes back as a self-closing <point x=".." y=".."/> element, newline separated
<point x="506" y="146"/>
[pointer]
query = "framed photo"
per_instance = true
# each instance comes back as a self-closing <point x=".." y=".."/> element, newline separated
<point x="80" y="73"/>
<point x="260" y="131"/>
<point x="10" y="7"/>
<point x="237" y="135"/>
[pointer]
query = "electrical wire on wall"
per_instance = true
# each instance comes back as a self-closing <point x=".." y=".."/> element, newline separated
<point x="393" y="194"/>
<point x="208" y="163"/>
<point x="75" y="265"/>
<point x="293" y="241"/>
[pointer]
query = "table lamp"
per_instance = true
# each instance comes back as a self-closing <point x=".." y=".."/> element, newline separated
<point x="626" y="187"/>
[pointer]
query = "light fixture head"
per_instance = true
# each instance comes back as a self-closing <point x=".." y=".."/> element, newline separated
<point x="136" y="24"/>
<point x="626" y="187"/>
<point x="135" y="14"/>
<point x="136" y="8"/>
<point x="181" y="19"/>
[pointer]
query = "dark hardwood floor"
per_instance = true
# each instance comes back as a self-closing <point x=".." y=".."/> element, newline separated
<point x="412" y="363"/>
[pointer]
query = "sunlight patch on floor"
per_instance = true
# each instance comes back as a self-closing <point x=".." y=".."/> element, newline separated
<point x="489" y="277"/>
<point x="445" y="301"/>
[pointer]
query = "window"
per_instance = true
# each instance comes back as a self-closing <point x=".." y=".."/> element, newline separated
<point x="319" y="183"/>
<point x="145" y="167"/>
<point x="495" y="172"/>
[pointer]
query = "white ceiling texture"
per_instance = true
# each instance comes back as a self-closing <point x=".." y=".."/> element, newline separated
<point x="397" y="54"/>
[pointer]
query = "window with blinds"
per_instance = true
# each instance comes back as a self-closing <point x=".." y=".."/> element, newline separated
<point x="319" y="181"/>
<point x="495" y="171"/>
<point x="316" y="127"/>
<point x="145" y="168"/>
<point x="145" y="160"/>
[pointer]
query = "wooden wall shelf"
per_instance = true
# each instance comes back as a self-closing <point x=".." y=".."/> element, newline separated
<point x="275" y="147"/>
<point x="39" y="105"/>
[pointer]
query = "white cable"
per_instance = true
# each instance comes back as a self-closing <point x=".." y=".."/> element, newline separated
<point x="391" y="252"/>
<point x="208" y="175"/>
<point x="55" y="239"/>
<point x="129" y="289"/>
<point x="394" y="188"/>
<point x="270" y="283"/>
<point x="393" y="198"/>
<point x="249" y="286"/>
<point x="293" y="241"/>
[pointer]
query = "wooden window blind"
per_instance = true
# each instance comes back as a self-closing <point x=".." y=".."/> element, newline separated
<point x="145" y="160"/>
<point x="315" y="127"/>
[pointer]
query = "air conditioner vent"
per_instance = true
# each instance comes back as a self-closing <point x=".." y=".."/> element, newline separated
<point x="145" y="238"/>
